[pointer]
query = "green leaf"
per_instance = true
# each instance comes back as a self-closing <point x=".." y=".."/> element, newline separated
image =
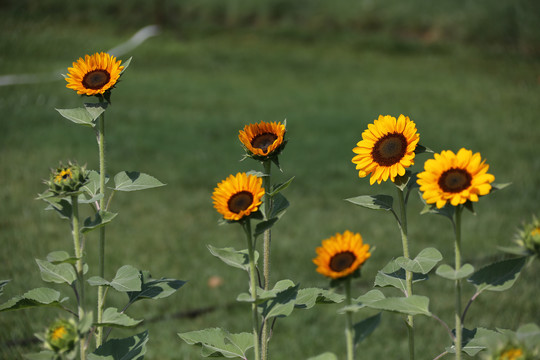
<point x="60" y="257"/>
<point x="376" y="202"/>
<point x="2" y="284"/>
<point x="134" y="181"/>
<point x="394" y="275"/>
<point x="92" y="186"/>
<point x="412" y="305"/>
<point x="59" y="274"/>
<point x="128" y="278"/>
<point x="78" y="116"/>
<point x="113" y="318"/>
<point x="282" y="304"/>
<point x="446" y="211"/>
<point x="62" y="207"/>
<point x="34" y="298"/>
<point x="422" y="263"/>
<point x="264" y="225"/>
<point x="280" y="187"/>
<point x="495" y="186"/>
<point x="279" y="205"/>
<point x="154" y="288"/>
<point x="42" y="355"/>
<point x="95" y="109"/>
<point x="232" y="257"/>
<point x="498" y="276"/>
<point x="365" y="327"/>
<point x="307" y="298"/>
<point x="125" y="64"/>
<point x="86" y="322"/>
<point x="217" y="342"/>
<point x="100" y="219"/>
<point x="131" y="348"/>
<point x="448" y="272"/>
<point x="324" y="356"/>
<point x="98" y="281"/>
<point x="475" y="341"/>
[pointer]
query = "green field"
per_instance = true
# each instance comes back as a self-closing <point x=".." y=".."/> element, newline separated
<point x="176" y="115"/>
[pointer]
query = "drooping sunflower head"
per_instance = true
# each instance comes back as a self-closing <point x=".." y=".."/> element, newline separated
<point x="263" y="140"/>
<point x="94" y="75"/>
<point x="61" y="335"/>
<point x="387" y="148"/>
<point x="238" y="196"/>
<point x="341" y="255"/>
<point x="454" y="178"/>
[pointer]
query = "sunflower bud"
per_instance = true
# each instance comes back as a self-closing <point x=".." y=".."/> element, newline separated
<point x="61" y="335"/>
<point x="67" y="180"/>
<point x="511" y="353"/>
<point x="529" y="237"/>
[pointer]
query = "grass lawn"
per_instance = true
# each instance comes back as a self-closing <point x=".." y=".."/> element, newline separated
<point x="176" y="115"/>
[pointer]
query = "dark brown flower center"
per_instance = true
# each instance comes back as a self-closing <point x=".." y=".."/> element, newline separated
<point x="342" y="261"/>
<point x="240" y="201"/>
<point x="96" y="79"/>
<point x="389" y="149"/>
<point x="263" y="141"/>
<point x="455" y="180"/>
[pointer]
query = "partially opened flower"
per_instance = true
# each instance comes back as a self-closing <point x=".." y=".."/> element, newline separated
<point x="341" y="255"/>
<point x="238" y="196"/>
<point x="94" y="75"/>
<point x="386" y="149"/>
<point x="454" y="178"/>
<point x="61" y="335"/>
<point x="263" y="139"/>
<point x="67" y="179"/>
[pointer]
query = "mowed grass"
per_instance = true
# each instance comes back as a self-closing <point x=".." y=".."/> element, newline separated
<point x="176" y="114"/>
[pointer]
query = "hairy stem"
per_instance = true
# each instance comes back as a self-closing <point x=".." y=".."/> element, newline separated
<point x="253" y="288"/>
<point x="79" y="266"/>
<point x="100" y="304"/>
<point x="266" y="250"/>
<point x="459" y="325"/>
<point x="349" y="323"/>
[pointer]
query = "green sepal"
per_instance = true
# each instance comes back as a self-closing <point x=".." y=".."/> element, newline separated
<point x="112" y="318"/>
<point x="34" y="298"/>
<point x="58" y="274"/>
<point x="499" y="276"/>
<point x="127" y="278"/>
<point x="422" y="263"/>
<point x="307" y="298"/>
<point x="375" y="202"/>
<point x="282" y="304"/>
<point x="101" y="218"/>
<point x="219" y="343"/>
<point x="448" y="272"/>
<point x="134" y="181"/>
<point x="276" y="188"/>
<point x="236" y="258"/>
<point x="365" y="327"/>
<point x="154" y="288"/>
<point x="131" y="348"/>
<point x="324" y="356"/>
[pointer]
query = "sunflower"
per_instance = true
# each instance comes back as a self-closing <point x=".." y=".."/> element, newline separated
<point x="94" y="74"/>
<point x="454" y="178"/>
<point x="386" y="149"/>
<point x="263" y="139"/>
<point x="341" y="254"/>
<point x="238" y="196"/>
<point x="512" y="354"/>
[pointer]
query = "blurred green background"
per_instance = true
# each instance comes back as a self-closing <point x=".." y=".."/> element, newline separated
<point x="467" y="72"/>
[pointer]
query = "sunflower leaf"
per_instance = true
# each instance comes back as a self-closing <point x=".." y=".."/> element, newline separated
<point x="279" y="205"/>
<point x="283" y="303"/>
<point x="95" y="109"/>
<point x="376" y="202"/>
<point x="217" y="342"/>
<point x="324" y="356"/>
<point x="33" y="298"/>
<point x="498" y="276"/>
<point x="235" y="258"/>
<point x="280" y="187"/>
<point x="59" y="274"/>
<point x="264" y="225"/>
<point x="111" y="317"/>
<point x="448" y="272"/>
<point x="307" y="298"/>
<point x="446" y="211"/>
<point x="78" y="116"/>
<point x="101" y="218"/>
<point x="154" y="288"/>
<point x="131" y="348"/>
<point x="365" y="327"/>
<point x="126" y="64"/>
<point x="134" y="181"/>
<point x="394" y="275"/>
<point x="422" y="263"/>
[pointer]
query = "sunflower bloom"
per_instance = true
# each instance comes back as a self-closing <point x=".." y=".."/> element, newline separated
<point x="341" y="254"/>
<point x="94" y="74"/>
<point x="386" y="149"/>
<point x="512" y="354"/>
<point x="238" y="196"/>
<point x="454" y="178"/>
<point x="263" y="139"/>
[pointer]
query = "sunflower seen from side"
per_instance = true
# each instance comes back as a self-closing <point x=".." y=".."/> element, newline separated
<point x="454" y="178"/>
<point x="238" y="196"/>
<point x="341" y="255"/>
<point x="94" y="75"/>
<point x="264" y="139"/>
<point x="387" y="148"/>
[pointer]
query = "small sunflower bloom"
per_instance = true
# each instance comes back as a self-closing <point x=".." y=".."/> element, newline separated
<point x="387" y="148"/>
<point x="263" y="140"/>
<point x="341" y="255"/>
<point x="61" y="335"/>
<point x="67" y="180"/>
<point x="238" y="196"/>
<point x="454" y="178"/>
<point x="94" y="75"/>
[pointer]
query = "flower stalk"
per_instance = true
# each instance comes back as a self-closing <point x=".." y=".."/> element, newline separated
<point x="457" y="265"/>
<point x="253" y="287"/>
<point x="101" y="289"/>
<point x="267" y="236"/>
<point x="79" y="266"/>
<point x="349" y="332"/>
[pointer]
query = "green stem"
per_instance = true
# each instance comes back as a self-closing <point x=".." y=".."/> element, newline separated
<point x="266" y="250"/>
<point x="349" y="325"/>
<point x="79" y="266"/>
<point x="100" y="301"/>
<point x="459" y="325"/>
<point x="253" y="288"/>
<point x="408" y="274"/>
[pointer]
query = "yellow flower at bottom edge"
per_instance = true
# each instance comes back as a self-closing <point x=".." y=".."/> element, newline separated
<point x="94" y="74"/>
<point x="341" y="254"/>
<point x="386" y="149"/>
<point x="238" y="196"/>
<point x="454" y="178"/>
